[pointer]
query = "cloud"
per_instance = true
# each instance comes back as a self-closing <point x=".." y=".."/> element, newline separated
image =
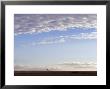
<point x="60" y="40"/>
<point x="19" y="67"/>
<point x="31" y="23"/>
<point x="89" y="36"/>
<point x="80" y="36"/>
<point x="66" y="66"/>
<point x="65" y="38"/>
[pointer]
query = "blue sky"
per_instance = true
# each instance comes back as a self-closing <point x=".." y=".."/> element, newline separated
<point x="42" y="39"/>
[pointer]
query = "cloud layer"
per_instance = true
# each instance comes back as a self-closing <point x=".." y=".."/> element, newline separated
<point x="38" y="23"/>
<point x="66" y="38"/>
<point x="73" y="66"/>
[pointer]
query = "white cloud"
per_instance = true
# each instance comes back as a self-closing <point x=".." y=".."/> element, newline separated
<point x="61" y="40"/>
<point x="89" y="36"/>
<point x="28" y="24"/>
<point x="66" y="66"/>
<point x="65" y="38"/>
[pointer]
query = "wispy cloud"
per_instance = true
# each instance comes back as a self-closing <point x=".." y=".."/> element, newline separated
<point x="31" y="23"/>
<point x="67" y="66"/>
<point x="88" y="36"/>
<point x="64" y="38"/>
<point x="60" y="40"/>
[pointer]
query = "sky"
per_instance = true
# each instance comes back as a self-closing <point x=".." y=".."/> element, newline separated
<point x="43" y="39"/>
